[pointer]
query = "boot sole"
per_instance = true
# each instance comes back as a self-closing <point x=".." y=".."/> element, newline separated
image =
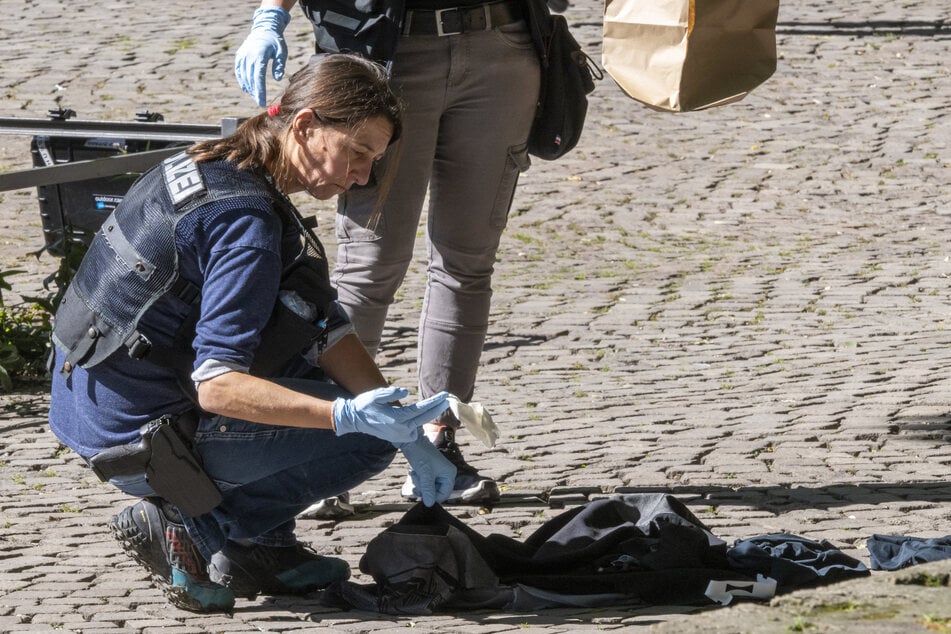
<point x="131" y="540"/>
<point x="483" y="491"/>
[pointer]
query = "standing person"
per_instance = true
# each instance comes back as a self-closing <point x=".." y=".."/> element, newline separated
<point x="193" y="348"/>
<point x="468" y="73"/>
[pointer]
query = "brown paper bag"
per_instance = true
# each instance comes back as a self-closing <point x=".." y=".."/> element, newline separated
<point x="680" y="55"/>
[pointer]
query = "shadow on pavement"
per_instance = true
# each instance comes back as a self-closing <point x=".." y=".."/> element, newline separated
<point x="313" y="607"/>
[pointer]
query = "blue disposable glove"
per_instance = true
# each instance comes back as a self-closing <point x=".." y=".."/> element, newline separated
<point x="433" y="475"/>
<point x="264" y="43"/>
<point x="371" y="413"/>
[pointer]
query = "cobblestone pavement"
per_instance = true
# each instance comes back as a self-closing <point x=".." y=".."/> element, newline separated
<point x="746" y="307"/>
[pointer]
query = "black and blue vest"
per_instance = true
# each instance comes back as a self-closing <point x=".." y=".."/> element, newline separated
<point x="133" y="261"/>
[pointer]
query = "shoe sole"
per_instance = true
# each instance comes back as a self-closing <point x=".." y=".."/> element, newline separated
<point x="483" y="491"/>
<point x="130" y="538"/>
<point x="334" y="509"/>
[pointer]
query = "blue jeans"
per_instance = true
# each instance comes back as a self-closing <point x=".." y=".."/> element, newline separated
<point x="268" y="474"/>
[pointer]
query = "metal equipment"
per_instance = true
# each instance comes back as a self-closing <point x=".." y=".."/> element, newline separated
<point x="83" y="169"/>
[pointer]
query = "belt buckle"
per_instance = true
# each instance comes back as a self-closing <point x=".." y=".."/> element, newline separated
<point x="440" y="29"/>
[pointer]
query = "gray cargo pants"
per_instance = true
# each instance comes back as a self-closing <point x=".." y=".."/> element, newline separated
<point x="470" y="100"/>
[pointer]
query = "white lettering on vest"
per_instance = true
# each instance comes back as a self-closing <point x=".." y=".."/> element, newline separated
<point x="182" y="178"/>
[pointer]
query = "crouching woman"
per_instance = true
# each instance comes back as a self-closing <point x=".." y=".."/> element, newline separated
<point x="201" y="362"/>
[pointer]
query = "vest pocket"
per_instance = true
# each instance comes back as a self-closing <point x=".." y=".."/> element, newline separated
<point x="285" y="336"/>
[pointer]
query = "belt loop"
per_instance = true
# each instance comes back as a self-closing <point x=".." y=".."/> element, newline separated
<point x="408" y="22"/>
<point x="487" y="9"/>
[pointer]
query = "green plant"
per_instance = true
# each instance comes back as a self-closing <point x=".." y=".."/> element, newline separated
<point x="24" y="333"/>
<point x="25" y="326"/>
<point x="936" y="623"/>
<point x="940" y="580"/>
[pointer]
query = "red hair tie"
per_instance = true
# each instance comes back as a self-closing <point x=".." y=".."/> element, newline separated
<point x="273" y="109"/>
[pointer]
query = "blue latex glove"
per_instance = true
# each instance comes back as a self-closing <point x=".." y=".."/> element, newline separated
<point x="264" y="43"/>
<point x="371" y="413"/>
<point x="433" y="475"/>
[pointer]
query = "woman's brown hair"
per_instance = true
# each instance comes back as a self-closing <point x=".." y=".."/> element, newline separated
<point x="342" y="89"/>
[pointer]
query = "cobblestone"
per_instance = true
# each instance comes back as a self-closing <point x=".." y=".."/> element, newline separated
<point x="746" y="307"/>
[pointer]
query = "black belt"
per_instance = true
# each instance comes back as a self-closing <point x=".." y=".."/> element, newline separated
<point x="456" y="20"/>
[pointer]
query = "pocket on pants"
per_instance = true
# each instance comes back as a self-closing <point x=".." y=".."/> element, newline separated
<point x="516" y="162"/>
<point x="515" y="35"/>
<point x="359" y="214"/>
<point x="350" y="230"/>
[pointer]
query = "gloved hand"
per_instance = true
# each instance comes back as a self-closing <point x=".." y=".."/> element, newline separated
<point x="433" y="475"/>
<point x="264" y="43"/>
<point x="371" y="413"/>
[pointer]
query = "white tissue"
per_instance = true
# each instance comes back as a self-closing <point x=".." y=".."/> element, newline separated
<point x="476" y="419"/>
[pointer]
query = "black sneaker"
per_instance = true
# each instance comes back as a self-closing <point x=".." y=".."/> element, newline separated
<point x="470" y="487"/>
<point x="151" y="538"/>
<point x="292" y="570"/>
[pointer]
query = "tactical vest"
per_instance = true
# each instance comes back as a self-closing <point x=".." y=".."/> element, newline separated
<point x="370" y="29"/>
<point x="133" y="262"/>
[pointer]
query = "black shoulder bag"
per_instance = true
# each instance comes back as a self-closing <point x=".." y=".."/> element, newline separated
<point x="568" y="76"/>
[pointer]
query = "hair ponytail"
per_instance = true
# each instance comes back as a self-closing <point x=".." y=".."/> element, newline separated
<point x="342" y="89"/>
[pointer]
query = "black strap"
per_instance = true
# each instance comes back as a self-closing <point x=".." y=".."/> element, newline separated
<point x="186" y="291"/>
<point x="81" y="352"/>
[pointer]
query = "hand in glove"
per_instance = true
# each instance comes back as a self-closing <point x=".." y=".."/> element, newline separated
<point x="371" y="413"/>
<point x="264" y="43"/>
<point x="433" y="475"/>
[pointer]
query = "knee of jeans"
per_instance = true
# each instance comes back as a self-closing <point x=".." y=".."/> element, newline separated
<point x="380" y="455"/>
<point x="464" y="270"/>
<point x="368" y="287"/>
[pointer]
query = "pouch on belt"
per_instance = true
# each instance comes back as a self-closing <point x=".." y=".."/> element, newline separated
<point x="171" y="465"/>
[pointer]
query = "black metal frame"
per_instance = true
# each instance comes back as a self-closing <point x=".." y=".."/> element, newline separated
<point x="148" y="127"/>
<point x="83" y="168"/>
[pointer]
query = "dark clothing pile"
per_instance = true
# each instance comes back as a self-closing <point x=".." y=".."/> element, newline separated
<point x="642" y="549"/>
